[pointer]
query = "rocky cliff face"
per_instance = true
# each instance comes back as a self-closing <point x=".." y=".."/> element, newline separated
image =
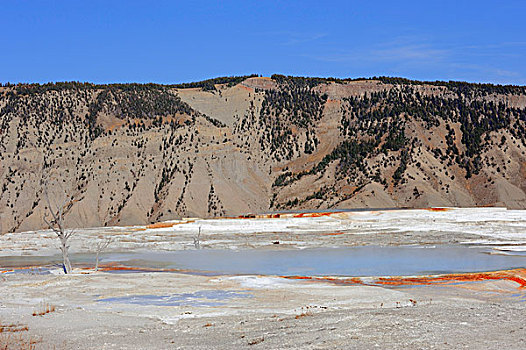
<point x="133" y="154"/>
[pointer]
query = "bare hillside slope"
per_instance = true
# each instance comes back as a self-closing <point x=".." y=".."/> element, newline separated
<point x="134" y="154"/>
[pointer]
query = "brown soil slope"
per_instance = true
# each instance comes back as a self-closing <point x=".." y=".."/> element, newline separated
<point x="134" y="154"/>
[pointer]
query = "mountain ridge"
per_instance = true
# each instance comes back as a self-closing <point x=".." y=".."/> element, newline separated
<point x="139" y="153"/>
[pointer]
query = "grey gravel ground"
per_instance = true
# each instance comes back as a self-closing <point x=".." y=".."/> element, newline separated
<point x="290" y="314"/>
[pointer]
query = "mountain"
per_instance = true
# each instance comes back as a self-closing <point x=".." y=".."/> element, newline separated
<point x="125" y="154"/>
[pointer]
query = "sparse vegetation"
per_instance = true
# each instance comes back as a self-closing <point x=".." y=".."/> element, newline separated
<point x="43" y="309"/>
<point x="113" y="147"/>
<point x="209" y="84"/>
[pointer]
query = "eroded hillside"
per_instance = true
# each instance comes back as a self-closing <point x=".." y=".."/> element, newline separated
<point x="133" y="154"/>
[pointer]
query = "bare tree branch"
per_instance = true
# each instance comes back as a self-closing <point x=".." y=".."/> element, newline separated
<point x="101" y="246"/>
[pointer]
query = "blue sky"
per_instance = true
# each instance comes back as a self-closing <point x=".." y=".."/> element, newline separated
<point x="181" y="41"/>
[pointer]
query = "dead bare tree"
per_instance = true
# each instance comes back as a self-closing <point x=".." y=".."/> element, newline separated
<point x="57" y="213"/>
<point x="101" y="246"/>
<point x="57" y="225"/>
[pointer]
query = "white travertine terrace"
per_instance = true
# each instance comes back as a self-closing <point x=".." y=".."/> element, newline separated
<point x="497" y="227"/>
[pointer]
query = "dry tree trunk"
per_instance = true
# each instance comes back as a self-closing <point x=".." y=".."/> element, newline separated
<point x="57" y="225"/>
<point x="197" y="240"/>
<point x="65" y="256"/>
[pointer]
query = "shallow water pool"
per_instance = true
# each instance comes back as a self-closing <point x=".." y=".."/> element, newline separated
<point x="345" y="261"/>
<point x="348" y="261"/>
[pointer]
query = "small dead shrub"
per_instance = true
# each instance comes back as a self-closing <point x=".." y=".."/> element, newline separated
<point x="305" y="311"/>
<point x="13" y="328"/>
<point x="43" y="309"/>
<point x="304" y="314"/>
<point x="256" y="341"/>
<point x="14" y="336"/>
<point x="17" y="341"/>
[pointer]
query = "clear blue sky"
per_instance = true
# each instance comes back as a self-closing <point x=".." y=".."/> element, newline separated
<point x="180" y="41"/>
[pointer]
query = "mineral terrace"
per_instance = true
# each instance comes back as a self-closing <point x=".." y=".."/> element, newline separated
<point x="134" y="303"/>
